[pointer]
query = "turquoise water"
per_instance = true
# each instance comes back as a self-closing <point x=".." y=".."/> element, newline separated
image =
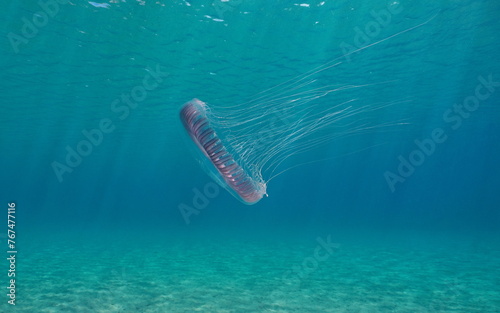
<point x="403" y="218"/>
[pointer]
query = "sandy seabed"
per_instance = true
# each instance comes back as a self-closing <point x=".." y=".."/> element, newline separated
<point x="293" y="275"/>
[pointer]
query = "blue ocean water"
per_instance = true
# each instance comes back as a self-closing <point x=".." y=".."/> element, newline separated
<point x="113" y="213"/>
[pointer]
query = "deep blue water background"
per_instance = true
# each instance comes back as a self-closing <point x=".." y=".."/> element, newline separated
<point x="65" y="79"/>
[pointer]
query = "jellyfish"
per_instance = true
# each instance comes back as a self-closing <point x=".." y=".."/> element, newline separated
<point x="243" y="146"/>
